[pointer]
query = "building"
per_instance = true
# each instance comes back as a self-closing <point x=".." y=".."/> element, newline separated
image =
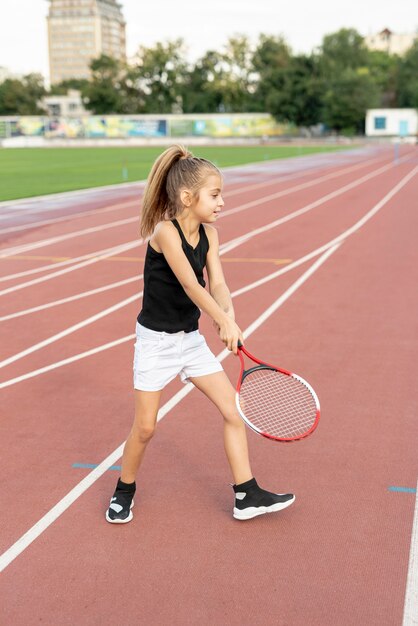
<point x="81" y="30"/>
<point x="390" y="42"/>
<point x="70" y="105"/>
<point x="391" y="123"/>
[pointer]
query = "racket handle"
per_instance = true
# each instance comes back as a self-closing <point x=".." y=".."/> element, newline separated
<point x="240" y="344"/>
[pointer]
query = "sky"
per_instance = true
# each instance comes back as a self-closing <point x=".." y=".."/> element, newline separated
<point x="206" y="25"/>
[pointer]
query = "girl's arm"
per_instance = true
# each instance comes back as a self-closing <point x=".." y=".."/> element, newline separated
<point x="217" y="284"/>
<point x="167" y="239"/>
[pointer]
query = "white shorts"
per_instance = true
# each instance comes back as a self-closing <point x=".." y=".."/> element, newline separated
<point x="160" y="356"/>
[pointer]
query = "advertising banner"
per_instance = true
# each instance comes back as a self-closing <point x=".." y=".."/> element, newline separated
<point x="120" y="127"/>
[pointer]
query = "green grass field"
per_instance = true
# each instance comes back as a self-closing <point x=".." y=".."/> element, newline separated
<point x="26" y="172"/>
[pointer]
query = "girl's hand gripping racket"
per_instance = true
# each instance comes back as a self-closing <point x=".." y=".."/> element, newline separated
<point x="274" y="402"/>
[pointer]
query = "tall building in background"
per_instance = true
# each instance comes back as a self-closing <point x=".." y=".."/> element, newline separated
<point x="390" y="42"/>
<point x="79" y="31"/>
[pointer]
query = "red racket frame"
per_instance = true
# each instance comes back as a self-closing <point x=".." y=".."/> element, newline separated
<point x="243" y="371"/>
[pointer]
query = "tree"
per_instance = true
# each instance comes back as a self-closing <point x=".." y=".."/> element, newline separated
<point x="347" y="98"/>
<point x="103" y="91"/>
<point x="62" y="88"/>
<point x="349" y="87"/>
<point x="237" y="78"/>
<point x="22" y="97"/>
<point x="296" y="92"/>
<point x="159" y="76"/>
<point x="202" y="87"/>
<point x="271" y="57"/>
<point x="384" y="71"/>
<point x="341" y="50"/>
<point x="407" y="79"/>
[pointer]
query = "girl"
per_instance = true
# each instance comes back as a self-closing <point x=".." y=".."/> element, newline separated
<point x="183" y="197"/>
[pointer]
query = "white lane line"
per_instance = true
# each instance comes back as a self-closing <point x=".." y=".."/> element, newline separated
<point x="111" y="252"/>
<point x="69" y="217"/>
<point x="49" y="518"/>
<point x="90" y="255"/>
<point x="78" y="296"/>
<point x="242" y="238"/>
<point x="71" y="359"/>
<point x="223" y="250"/>
<point x="92" y="351"/>
<point x="76" y="233"/>
<point x="46" y="242"/>
<point x="302" y="173"/>
<point x="223" y="214"/>
<point x="66" y="195"/>
<point x="296" y="188"/>
<point x="410" y="614"/>
<point x="136" y="202"/>
<point x="68" y="331"/>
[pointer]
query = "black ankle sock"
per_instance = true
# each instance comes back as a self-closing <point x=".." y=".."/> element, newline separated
<point x="244" y="486"/>
<point x="129" y="487"/>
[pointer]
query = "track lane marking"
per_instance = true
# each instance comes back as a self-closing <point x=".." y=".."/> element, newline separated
<point x="70" y="216"/>
<point x="106" y="346"/>
<point x="67" y="195"/>
<point x="97" y="254"/>
<point x="89" y="261"/>
<point x="238" y="239"/>
<point x="226" y="248"/>
<point x="410" y="615"/>
<point x="49" y="518"/>
<point x="68" y="331"/>
<point x="42" y="243"/>
<point x="52" y="240"/>
<point x="77" y="296"/>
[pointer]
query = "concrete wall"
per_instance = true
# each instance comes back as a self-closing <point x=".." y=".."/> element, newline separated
<point x="391" y="123"/>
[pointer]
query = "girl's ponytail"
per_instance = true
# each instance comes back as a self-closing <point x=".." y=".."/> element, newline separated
<point x="156" y="202"/>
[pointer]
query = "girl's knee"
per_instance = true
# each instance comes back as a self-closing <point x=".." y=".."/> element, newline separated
<point x="231" y="416"/>
<point x="143" y="433"/>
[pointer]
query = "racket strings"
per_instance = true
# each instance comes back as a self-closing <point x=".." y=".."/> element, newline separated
<point x="277" y="404"/>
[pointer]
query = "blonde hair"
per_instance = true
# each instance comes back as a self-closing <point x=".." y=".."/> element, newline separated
<point x="174" y="169"/>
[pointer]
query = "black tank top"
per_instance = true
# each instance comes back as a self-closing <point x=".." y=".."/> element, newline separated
<point x="165" y="305"/>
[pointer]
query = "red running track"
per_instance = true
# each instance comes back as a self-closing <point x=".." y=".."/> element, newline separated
<point x="340" y="554"/>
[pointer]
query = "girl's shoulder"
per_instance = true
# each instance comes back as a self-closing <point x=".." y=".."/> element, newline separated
<point x="163" y="226"/>
<point x="211" y="233"/>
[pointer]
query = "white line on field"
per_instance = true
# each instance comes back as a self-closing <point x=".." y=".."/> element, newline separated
<point x="233" y="243"/>
<point x="42" y="243"/>
<point x="77" y="296"/>
<point x="410" y="614"/>
<point x="52" y="240"/>
<point x="68" y="331"/>
<point x="49" y="518"/>
<point x="104" y="255"/>
<point x="90" y="255"/>
<point x="136" y="202"/>
<point x="70" y="216"/>
<point x="68" y="195"/>
<point x="224" y="249"/>
<point x="242" y="238"/>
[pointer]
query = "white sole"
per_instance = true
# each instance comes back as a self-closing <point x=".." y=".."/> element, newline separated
<point x="120" y="521"/>
<point x="254" y="511"/>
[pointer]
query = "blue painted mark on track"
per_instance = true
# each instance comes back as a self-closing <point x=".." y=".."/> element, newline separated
<point x="403" y="489"/>
<point x="93" y="465"/>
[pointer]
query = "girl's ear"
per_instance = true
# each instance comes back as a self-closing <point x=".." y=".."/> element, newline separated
<point x="186" y="198"/>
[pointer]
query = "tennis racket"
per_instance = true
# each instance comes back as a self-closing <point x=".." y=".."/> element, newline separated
<point x="275" y="403"/>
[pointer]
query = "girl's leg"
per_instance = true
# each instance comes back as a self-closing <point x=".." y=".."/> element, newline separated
<point x="218" y="388"/>
<point x="146" y="409"/>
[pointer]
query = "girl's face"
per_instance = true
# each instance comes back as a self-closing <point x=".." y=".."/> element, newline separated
<point x="209" y="202"/>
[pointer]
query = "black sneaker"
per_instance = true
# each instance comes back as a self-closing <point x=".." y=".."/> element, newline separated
<point x="251" y="500"/>
<point x="121" y="503"/>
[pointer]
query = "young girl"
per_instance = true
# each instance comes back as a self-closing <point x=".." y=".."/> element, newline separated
<point x="182" y="199"/>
